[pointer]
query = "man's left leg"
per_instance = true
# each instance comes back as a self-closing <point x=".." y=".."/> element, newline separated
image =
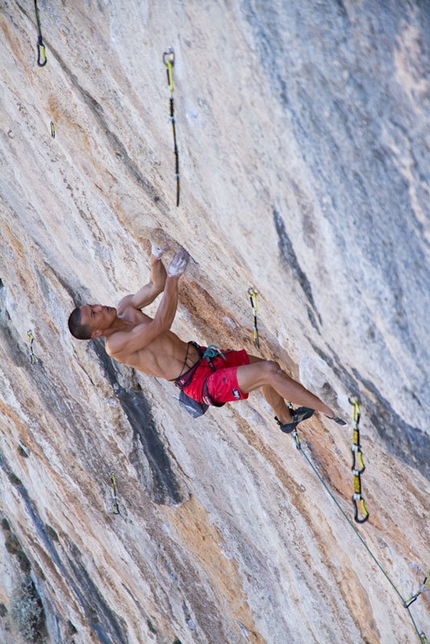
<point x="276" y="401"/>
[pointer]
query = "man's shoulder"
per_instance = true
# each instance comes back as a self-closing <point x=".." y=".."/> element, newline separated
<point x="127" y="311"/>
<point x="124" y="303"/>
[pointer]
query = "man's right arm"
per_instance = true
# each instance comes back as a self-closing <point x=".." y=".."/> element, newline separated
<point x="128" y="342"/>
<point x="148" y="293"/>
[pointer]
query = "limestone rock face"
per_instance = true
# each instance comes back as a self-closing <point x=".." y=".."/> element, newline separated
<point x="303" y="141"/>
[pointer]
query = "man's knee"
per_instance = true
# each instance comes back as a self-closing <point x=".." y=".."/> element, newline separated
<point x="271" y="368"/>
<point x="259" y="374"/>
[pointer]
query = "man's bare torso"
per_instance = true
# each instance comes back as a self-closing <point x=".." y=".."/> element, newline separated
<point x="164" y="357"/>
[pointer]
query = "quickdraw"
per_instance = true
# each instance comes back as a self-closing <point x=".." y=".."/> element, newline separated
<point x="211" y="352"/>
<point x="358" y="466"/>
<point x="411" y="600"/>
<point x="30" y="339"/>
<point x="169" y="61"/>
<point x="52" y="130"/>
<point x="41" y="52"/>
<point x="253" y="298"/>
<point x="115" y="505"/>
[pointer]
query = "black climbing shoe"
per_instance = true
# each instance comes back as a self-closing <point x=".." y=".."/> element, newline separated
<point x="299" y="414"/>
<point x="337" y="420"/>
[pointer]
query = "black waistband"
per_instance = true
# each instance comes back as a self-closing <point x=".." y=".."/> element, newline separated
<point x="184" y="379"/>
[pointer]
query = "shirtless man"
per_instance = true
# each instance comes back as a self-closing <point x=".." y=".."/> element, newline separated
<point x="209" y="376"/>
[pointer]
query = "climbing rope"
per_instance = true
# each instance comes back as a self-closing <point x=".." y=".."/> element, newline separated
<point x="253" y="298"/>
<point x="115" y="505"/>
<point x="30" y="340"/>
<point x="406" y="603"/>
<point x="358" y="466"/>
<point x="169" y="61"/>
<point x="41" y="52"/>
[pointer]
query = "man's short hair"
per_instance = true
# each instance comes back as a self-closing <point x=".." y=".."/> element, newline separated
<point x="77" y="329"/>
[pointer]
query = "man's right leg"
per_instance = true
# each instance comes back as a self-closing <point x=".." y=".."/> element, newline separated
<point x="277" y="387"/>
<point x="277" y="403"/>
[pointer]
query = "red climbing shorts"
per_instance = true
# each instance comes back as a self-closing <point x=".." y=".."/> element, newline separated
<point x="220" y="386"/>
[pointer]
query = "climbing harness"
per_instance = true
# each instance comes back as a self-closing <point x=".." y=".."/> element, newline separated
<point x="207" y="353"/>
<point x="406" y="603"/>
<point x="115" y="504"/>
<point x="194" y="407"/>
<point x="253" y="298"/>
<point x="30" y="340"/>
<point x="169" y="61"/>
<point x="41" y="52"/>
<point x="358" y="466"/>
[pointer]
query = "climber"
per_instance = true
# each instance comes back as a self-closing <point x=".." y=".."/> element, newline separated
<point x="206" y="375"/>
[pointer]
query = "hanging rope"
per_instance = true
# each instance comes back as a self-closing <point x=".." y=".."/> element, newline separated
<point x="405" y="603"/>
<point x="253" y="298"/>
<point x="357" y="465"/>
<point x="169" y="61"/>
<point x="41" y="52"/>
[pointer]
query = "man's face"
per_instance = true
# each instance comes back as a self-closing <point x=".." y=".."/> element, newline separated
<point x="97" y="317"/>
